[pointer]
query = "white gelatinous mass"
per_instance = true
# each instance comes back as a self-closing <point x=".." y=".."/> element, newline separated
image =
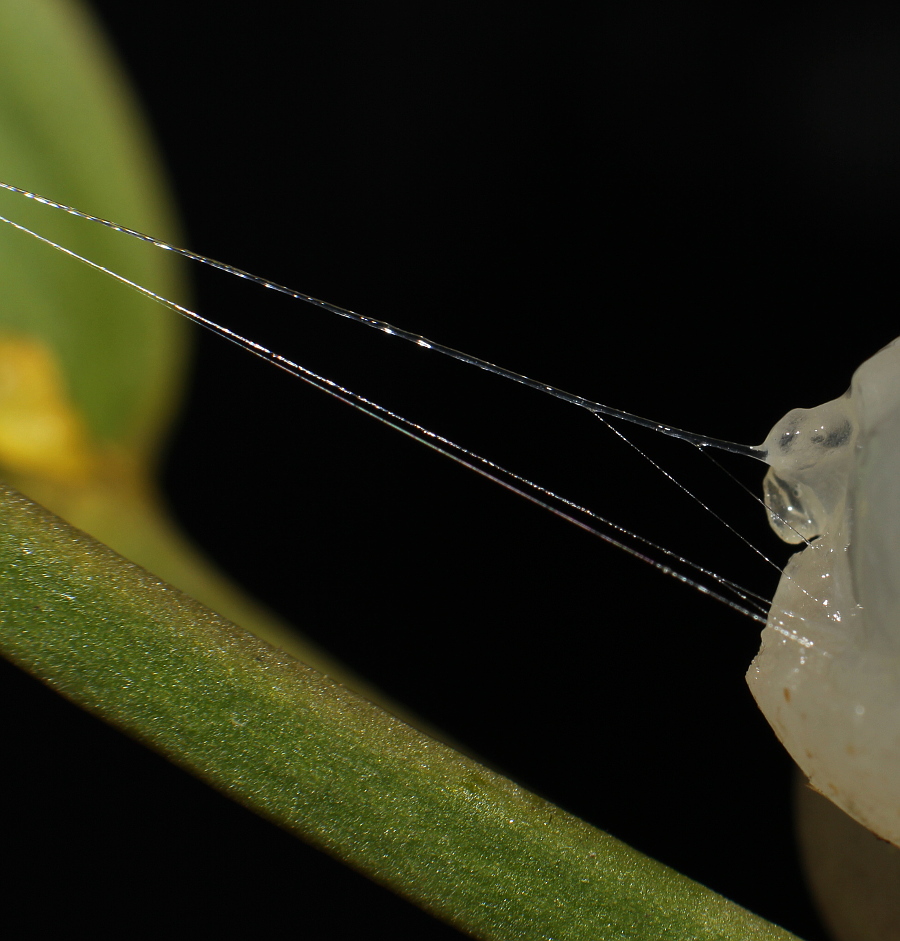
<point x="827" y="676"/>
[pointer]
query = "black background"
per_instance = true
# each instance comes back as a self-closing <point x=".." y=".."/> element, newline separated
<point x="677" y="209"/>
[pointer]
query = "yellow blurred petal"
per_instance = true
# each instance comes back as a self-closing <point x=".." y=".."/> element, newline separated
<point x="41" y="432"/>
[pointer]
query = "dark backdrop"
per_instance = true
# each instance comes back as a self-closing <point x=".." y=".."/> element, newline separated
<point x="663" y="207"/>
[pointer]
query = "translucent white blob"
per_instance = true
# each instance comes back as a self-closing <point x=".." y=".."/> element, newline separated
<point x="827" y="676"/>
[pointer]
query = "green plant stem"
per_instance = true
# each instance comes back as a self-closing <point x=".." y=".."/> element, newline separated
<point x="450" y="835"/>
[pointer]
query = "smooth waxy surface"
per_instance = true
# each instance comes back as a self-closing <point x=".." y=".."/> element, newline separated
<point x="827" y="675"/>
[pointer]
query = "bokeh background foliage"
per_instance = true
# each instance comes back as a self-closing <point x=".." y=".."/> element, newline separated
<point x="68" y="127"/>
<point x="92" y="371"/>
<point x="89" y="375"/>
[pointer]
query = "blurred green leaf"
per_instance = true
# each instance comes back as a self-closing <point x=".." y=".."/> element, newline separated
<point x="70" y="129"/>
<point x="90" y="371"/>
